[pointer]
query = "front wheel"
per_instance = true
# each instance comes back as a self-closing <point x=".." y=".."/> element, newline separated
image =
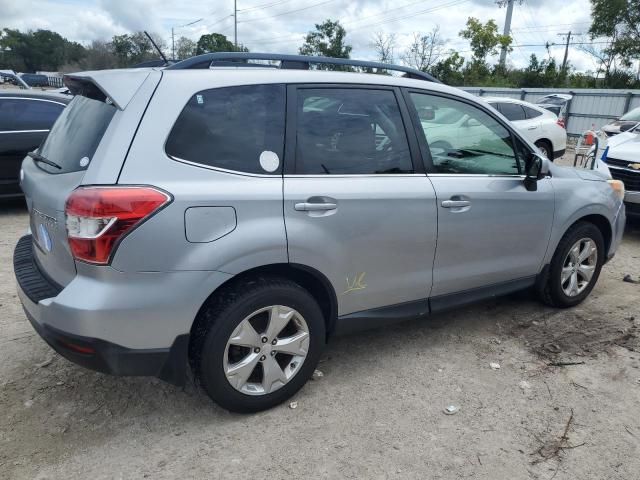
<point x="575" y="266"/>
<point x="262" y="343"/>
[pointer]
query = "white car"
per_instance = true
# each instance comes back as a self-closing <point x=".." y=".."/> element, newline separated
<point x="622" y="155"/>
<point x="535" y="123"/>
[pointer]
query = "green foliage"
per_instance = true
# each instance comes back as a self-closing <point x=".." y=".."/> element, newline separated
<point x="449" y="70"/>
<point x="327" y="40"/>
<point x="484" y="39"/>
<point x="185" y="48"/>
<point x="37" y="50"/>
<point x="618" y="20"/>
<point x="216" y="42"/>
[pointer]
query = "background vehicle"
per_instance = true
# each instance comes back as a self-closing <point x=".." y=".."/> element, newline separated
<point x="628" y="121"/>
<point x="35" y="80"/>
<point x="556" y="103"/>
<point x="538" y="125"/>
<point x="182" y="224"/>
<point x="25" y="120"/>
<point x="623" y="159"/>
<point x="9" y="76"/>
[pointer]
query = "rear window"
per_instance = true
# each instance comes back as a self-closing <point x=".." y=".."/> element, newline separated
<point x="233" y="128"/>
<point x="76" y="135"/>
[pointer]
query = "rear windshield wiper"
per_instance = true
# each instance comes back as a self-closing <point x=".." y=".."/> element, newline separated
<point x="39" y="158"/>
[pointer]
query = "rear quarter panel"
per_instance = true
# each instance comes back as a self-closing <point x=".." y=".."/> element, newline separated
<point x="161" y="244"/>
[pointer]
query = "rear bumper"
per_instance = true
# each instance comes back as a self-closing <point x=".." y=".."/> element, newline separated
<point x="112" y="322"/>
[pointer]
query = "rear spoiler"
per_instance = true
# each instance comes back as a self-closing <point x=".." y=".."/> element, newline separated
<point x="114" y="86"/>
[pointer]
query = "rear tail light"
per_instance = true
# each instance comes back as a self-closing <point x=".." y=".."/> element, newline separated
<point x="98" y="218"/>
<point x="561" y="123"/>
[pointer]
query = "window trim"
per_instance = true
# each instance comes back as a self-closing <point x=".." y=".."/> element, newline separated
<point x="424" y="146"/>
<point x="290" y="163"/>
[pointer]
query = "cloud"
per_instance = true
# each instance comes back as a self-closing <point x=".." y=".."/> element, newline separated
<point x="273" y="29"/>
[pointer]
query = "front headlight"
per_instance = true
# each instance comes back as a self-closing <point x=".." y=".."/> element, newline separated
<point x="618" y="188"/>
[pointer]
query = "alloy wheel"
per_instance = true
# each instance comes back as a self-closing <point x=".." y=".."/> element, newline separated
<point x="266" y="350"/>
<point x="579" y="266"/>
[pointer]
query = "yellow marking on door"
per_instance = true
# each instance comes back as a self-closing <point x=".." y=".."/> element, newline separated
<point x="356" y="284"/>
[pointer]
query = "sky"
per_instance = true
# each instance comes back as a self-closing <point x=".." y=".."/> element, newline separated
<point x="280" y="25"/>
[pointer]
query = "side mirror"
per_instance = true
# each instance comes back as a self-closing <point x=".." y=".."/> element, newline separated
<point x="536" y="167"/>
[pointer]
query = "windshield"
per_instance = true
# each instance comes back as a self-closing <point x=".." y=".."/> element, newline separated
<point x="633" y="115"/>
<point x="76" y="135"/>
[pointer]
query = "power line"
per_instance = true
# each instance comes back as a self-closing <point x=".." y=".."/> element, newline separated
<point x="412" y="14"/>
<point x="286" y="13"/>
<point x="263" y="6"/>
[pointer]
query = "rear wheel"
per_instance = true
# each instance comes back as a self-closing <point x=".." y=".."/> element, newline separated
<point x="545" y="148"/>
<point x="575" y="267"/>
<point x="262" y="342"/>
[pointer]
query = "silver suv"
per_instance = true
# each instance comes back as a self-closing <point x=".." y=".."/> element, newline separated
<point x="228" y="220"/>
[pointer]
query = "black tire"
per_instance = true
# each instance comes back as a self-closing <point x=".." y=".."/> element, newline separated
<point x="550" y="289"/>
<point x="545" y="146"/>
<point x="219" y="320"/>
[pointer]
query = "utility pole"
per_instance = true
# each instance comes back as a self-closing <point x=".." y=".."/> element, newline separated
<point x="235" y="23"/>
<point x="507" y="29"/>
<point x="566" y="49"/>
<point x="173" y="45"/>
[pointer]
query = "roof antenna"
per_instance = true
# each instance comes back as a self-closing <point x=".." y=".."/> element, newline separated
<point x="166" y="62"/>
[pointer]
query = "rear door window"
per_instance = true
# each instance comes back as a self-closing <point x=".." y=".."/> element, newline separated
<point x="19" y="114"/>
<point x="233" y="128"/>
<point x="76" y="135"/>
<point x="350" y="132"/>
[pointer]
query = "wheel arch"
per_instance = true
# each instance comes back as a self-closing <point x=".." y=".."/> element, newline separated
<point x="316" y="283"/>
<point x="548" y="142"/>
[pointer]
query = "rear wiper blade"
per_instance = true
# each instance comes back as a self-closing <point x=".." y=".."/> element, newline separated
<point x="39" y="158"/>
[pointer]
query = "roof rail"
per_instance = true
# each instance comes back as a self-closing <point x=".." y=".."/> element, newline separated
<point x="293" y="62"/>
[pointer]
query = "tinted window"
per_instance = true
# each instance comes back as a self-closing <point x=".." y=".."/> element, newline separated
<point x="512" y="111"/>
<point x="26" y="114"/>
<point x="350" y="131"/>
<point x="475" y="144"/>
<point x="531" y="113"/>
<point x="76" y="134"/>
<point x="231" y="128"/>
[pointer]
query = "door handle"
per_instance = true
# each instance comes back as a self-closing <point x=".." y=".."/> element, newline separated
<point x="314" y="207"/>
<point x="455" y="203"/>
<point x="532" y="128"/>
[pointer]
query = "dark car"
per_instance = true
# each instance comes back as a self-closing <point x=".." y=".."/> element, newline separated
<point x="35" y="80"/>
<point x="25" y="120"/>
<point x="628" y="121"/>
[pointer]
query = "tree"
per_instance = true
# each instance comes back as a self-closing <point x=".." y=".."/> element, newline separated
<point x="384" y="45"/>
<point x="130" y="49"/>
<point x="216" y="42"/>
<point x="620" y="21"/>
<point x="185" y="48"/>
<point x="449" y="70"/>
<point x="327" y="40"/>
<point x="484" y="39"/>
<point x="37" y="50"/>
<point x="425" y="50"/>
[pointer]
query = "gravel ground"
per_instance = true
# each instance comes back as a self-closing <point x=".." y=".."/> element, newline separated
<point x="376" y="413"/>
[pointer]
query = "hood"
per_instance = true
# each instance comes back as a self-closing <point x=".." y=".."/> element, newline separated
<point x="625" y="146"/>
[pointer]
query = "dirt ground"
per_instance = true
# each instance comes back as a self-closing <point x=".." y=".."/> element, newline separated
<point x="378" y="411"/>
